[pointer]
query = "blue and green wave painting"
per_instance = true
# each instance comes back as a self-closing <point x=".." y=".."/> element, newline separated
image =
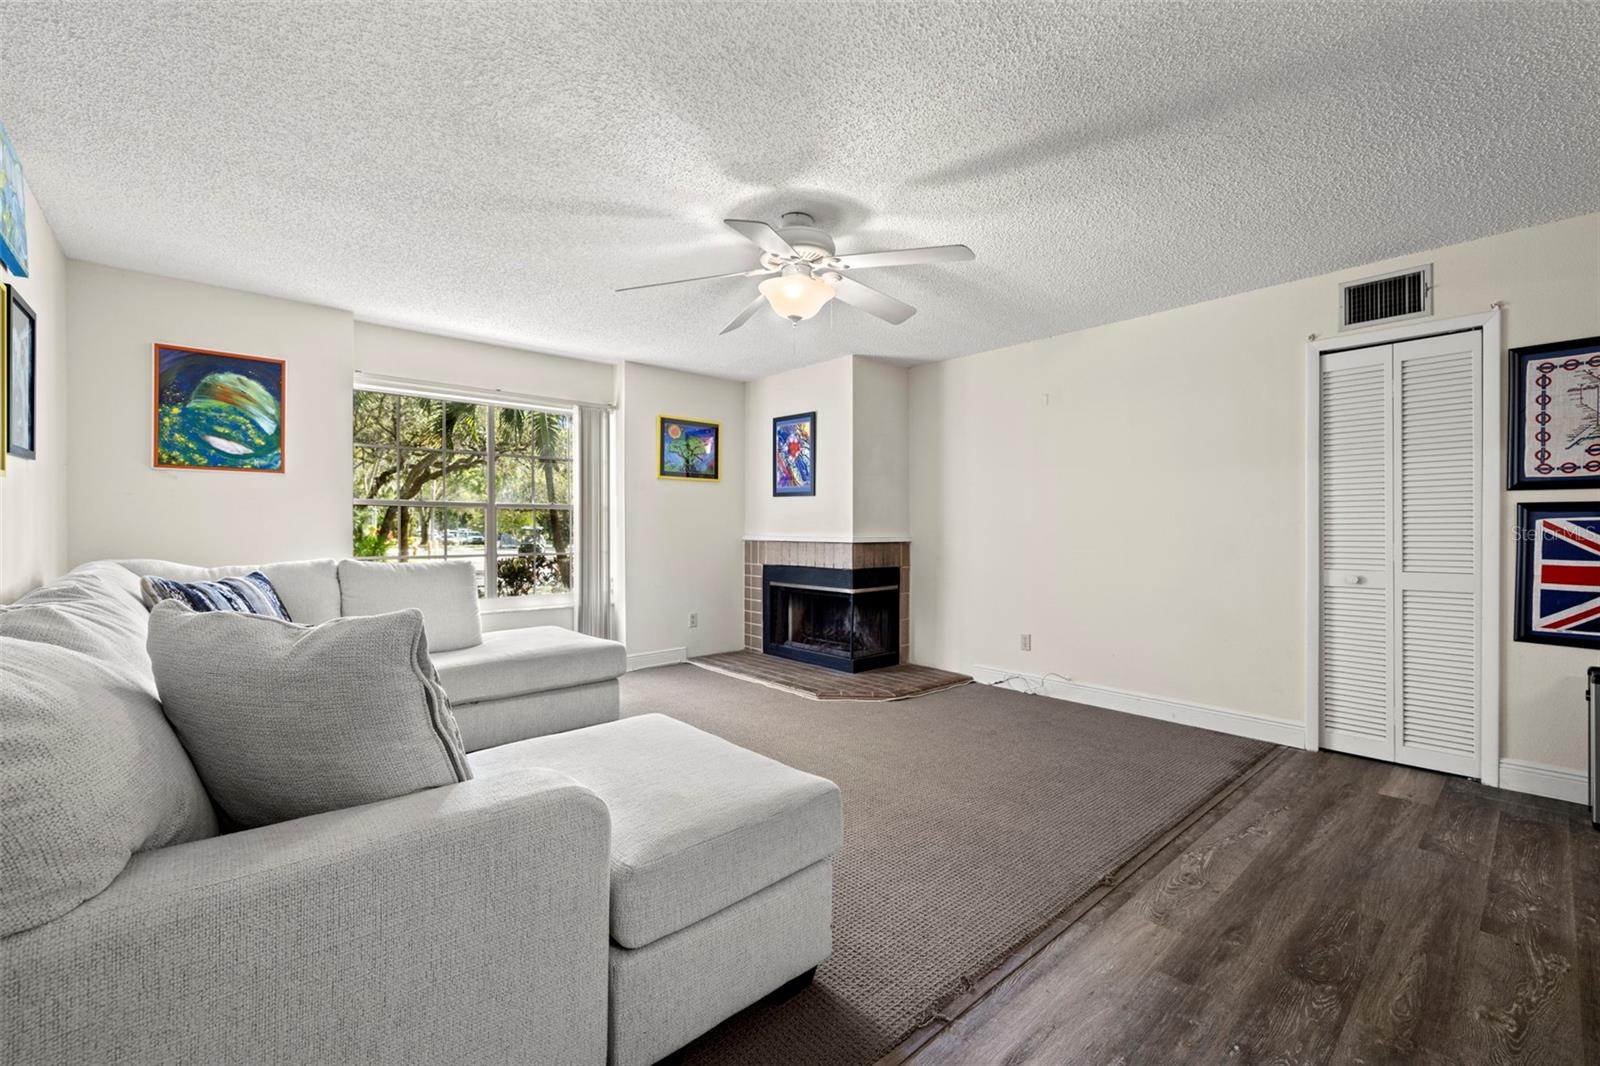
<point x="219" y="411"/>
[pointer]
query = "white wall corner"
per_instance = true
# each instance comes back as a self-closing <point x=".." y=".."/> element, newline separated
<point x="1537" y="779"/>
<point x="1199" y="715"/>
<point x="644" y="660"/>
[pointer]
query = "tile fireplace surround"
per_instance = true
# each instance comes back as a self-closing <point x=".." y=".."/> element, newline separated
<point x="834" y="556"/>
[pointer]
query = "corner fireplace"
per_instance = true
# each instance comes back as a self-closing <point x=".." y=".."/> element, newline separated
<point x="845" y="620"/>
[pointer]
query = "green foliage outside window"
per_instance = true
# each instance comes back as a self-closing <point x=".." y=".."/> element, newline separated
<point x="432" y="459"/>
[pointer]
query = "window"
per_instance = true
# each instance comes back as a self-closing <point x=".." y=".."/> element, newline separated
<point x="443" y="479"/>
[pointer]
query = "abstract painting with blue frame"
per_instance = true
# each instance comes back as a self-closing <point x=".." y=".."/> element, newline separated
<point x="1558" y="574"/>
<point x="218" y="410"/>
<point x="690" y="450"/>
<point x="794" y="455"/>
<point x="13" y="210"/>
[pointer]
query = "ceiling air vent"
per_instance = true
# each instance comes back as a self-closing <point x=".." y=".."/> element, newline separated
<point x="1386" y="298"/>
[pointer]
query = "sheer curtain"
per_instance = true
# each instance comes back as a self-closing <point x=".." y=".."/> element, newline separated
<point x="594" y="521"/>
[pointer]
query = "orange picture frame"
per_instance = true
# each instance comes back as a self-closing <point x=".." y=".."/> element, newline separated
<point x="227" y="392"/>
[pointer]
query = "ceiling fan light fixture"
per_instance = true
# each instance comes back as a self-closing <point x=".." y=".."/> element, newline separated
<point x="797" y="296"/>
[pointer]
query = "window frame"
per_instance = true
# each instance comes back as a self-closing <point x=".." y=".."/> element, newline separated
<point x="489" y="505"/>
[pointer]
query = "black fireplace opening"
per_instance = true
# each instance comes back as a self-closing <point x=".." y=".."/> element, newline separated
<point x="842" y="619"/>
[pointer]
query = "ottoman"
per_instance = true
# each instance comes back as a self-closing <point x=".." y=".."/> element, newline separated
<point x="721" y="872"/>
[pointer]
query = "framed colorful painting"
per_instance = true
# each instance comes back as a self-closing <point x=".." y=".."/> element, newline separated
<point x="794" y="455"/>
<point x="5" y="420"/>
<point x="218" y="410"/>
<point x="689" y="450"/>
<point x="21" y="368"/>
<point x="13" y="210"/>
<point x="1555" y="416"/>
<point x="1558" y="574"/>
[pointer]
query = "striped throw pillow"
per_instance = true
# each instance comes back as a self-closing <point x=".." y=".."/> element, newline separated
<point x="250" y="594"/>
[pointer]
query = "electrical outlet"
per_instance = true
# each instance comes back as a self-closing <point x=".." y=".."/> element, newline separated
<point x="1027" y="642"/>
<point x="694" y="619"/>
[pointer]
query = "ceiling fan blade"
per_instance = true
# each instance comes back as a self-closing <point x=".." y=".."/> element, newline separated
<point x="761" y="235"/>
<point x="756" y="273"/>
<point x="744" y="316"/>
<point x="872" y="301"/>
<point x="943" y="253"/>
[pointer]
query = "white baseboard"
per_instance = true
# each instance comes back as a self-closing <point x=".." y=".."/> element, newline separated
<point x="1216" y="719"/>
<point x="1537" y="779"/>
<point x="665" y="657"/>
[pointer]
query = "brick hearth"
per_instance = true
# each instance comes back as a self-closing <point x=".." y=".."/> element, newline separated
<point x="759" y="553"/>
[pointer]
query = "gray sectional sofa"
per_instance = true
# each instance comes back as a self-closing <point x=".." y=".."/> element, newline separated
<point x="600" y="894"/>
<point x="503" y="686"/>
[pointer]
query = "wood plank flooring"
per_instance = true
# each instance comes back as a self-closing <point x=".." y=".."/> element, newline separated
<point x="1332" y="910"/>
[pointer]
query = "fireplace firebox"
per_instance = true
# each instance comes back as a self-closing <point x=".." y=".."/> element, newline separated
<point x="845" y="620"/>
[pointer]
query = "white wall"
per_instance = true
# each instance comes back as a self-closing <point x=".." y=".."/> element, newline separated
<point x="33" y="492"/>
<point x="828" y="389"/>
<point x="684" y="551"/>
<point x="862" y="407"/>
<point x="1133" y="494"/>
<point x="882" y="509"/>
<point x="425" y="357"/>
<point x="121" y="506"/>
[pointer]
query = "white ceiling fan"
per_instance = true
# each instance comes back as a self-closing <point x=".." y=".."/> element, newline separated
<point x="803" y="273"/>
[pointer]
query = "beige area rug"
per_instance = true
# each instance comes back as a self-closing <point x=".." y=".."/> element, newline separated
<point x="816" y="683"/>
<point x="972" y="818"/>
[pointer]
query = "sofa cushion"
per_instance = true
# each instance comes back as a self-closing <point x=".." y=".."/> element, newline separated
<point x="445" y="591"/>
<point x="488" y="723"/>
<point x="252" y="594"/>
<point x="96" y="609"/>
<point x="515" y="662"/>
<point x="90" y="771"/>
<point x="697" y="823"/>
<point x="284" y="720"/>
<point x="308" y="588"/>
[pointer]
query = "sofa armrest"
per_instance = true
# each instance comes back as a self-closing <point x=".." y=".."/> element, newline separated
<point x="463" y="924"/>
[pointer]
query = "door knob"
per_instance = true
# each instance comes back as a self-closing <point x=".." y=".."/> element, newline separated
<point x="1355" y="579"/>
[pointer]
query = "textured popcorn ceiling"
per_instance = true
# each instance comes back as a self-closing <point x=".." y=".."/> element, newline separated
<point x="496" y="170"/>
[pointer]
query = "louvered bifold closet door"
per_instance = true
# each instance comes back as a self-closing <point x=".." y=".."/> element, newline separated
<point x="1437" y="409"/>
<point x="1356" y="668"/>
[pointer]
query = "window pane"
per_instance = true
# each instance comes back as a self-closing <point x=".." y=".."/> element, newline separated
<point x="421" y="422"/>
<point x="374" y="472"/>
<point x="464" y="532"/>
<point x="552" y="480"/>
<point x="372" y="531"/>
<point x="513" y="479"/>
<point x="465" y="425"/>
<point x="420" y="476"/>
<point x="464" y="538"/>
<point x="533" y="575"/>
<point x="534" y="552"/>
<point x="421" y="533"/>
<point x="552" y="435"/>
<point x="466" y="477"/>
<point x="374" y="417"/>
<point x="512" y="430"/>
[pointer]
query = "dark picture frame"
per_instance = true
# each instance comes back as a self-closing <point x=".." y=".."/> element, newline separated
<point x="22" y="377"/>
<point x="1542" y="365"/>
<point x="1558" y="574"/>
<point x="688" y="449"/>
<point x="794" y="441"/>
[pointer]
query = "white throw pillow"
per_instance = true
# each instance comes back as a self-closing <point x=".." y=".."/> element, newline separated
<point x="283" y="720"/>
<point x="446" y="592"/>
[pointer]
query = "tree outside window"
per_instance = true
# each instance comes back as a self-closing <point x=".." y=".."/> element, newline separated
<point x="443" y="479"/>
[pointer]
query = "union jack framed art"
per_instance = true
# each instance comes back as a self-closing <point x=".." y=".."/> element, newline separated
<point x="1555" y="416"/>
<point x="1558" y="574"/>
